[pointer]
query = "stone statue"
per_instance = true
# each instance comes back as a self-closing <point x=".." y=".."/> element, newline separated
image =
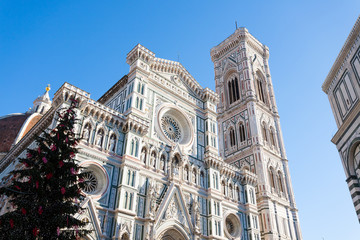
<point x="112" y="143"/>
<point x="152" y="196"/>
<point x="194" y="176"/>
<point x="99" y="138"/>
<point x="162" y="163"/>
<point x="197" y="214"/>
<point x="86" y="132"/>
<point x="152" y="159"/>
<point x="143" y="155"/>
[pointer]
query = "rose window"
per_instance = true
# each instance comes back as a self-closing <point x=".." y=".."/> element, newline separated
<point x="171" y="128"/>
<point x="232" y="226"/>
<point x="91" y="182"/>
<point x="229" y="226"/>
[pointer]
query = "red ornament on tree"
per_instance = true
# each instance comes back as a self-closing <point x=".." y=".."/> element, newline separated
<point x="61" y="163"/>
<point x="23" y="211"/>
<point x="40" y="211"/>
<point x="49" y="175"/>
<point x="35" y="231"/>
<point x="63" y="190"/>
<point x="11" y="223"/>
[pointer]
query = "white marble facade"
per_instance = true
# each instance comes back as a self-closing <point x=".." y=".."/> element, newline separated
<point x="172" y="160"/>
<point x="342" y="85"/>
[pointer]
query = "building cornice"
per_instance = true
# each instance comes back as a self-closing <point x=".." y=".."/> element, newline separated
<point x="343" y="55"/>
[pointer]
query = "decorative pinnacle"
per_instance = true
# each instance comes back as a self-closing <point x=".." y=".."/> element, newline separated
<point x="48" y="88"/>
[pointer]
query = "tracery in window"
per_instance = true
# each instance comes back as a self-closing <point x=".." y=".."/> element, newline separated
<point x="171" y="128"/>
<point x="91" y="182"/>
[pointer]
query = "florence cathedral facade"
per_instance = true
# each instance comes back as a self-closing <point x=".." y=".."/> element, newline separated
<point x="169" y="159"/>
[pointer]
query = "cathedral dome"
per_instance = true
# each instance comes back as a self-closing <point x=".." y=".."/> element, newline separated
<point x="13" y="127"/>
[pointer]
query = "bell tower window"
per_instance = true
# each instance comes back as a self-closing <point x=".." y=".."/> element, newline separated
<point x="232" y="137"/>
<point x="233" y="89"/>
<point x="242" y="132"/>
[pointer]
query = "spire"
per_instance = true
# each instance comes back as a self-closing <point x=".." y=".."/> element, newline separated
<point x="42" y="103"/>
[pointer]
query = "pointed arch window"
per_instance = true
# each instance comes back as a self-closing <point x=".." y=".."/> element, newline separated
<point x="134" y="147"/>
<point x="242" y="132"/>
<point x="186" y="173"/>
<point x="264" y="133"/>
<point x="281" y="186"/>
<point x="272" y="179"/>
<point x="233" y="89"/>
<point x="194" y="176"/>
<point x="272" y="136"/>
<point x="232" y="137"/>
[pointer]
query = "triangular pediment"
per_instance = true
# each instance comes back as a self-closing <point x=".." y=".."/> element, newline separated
<point x="174" y="208"/>
<point x="175" y="80"/>
<point x="230" y="63"/>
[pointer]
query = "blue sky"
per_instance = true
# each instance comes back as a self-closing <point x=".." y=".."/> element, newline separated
<point x="85" y="43"/>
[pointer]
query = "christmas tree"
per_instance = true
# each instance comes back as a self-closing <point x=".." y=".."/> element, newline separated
<point x="45" y="192"/>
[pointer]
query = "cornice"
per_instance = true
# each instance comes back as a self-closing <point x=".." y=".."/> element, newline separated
<point x="342" y="57"/>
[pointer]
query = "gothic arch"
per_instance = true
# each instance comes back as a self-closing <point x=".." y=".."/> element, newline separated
<point x="351" y="164"/>
<point x="172" y="230"/>
<point x="232" y="86"/>
<point x="261" y="88"/>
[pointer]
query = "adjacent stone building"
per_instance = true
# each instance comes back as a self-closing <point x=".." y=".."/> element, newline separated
<point x="169" y="159"/>
<point x="342" y="85"/>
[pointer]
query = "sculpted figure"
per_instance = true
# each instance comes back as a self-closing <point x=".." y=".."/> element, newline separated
<point x="99" y="138"/>
<point x="112" y="143"/>
<point x="86" y="132"/>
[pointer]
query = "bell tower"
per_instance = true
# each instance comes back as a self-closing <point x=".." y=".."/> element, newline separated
<point x="250" y="136"/>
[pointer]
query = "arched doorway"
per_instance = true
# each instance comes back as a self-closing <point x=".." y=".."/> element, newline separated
<point x="172" y="234"/>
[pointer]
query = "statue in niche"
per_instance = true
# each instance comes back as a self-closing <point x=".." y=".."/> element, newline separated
<point x="86" y="132"/>
<point x="112" y="143"/>
<point x="143" y="155"/>
<point x="194" y="176"/>
<point x="99" y="138"/>
<point x="175" y="166"/>
<point x="152" y="196"/>
<point x="162" y="163"/>
<point x="197" y="214"/>
<point x="153" y="159"/>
